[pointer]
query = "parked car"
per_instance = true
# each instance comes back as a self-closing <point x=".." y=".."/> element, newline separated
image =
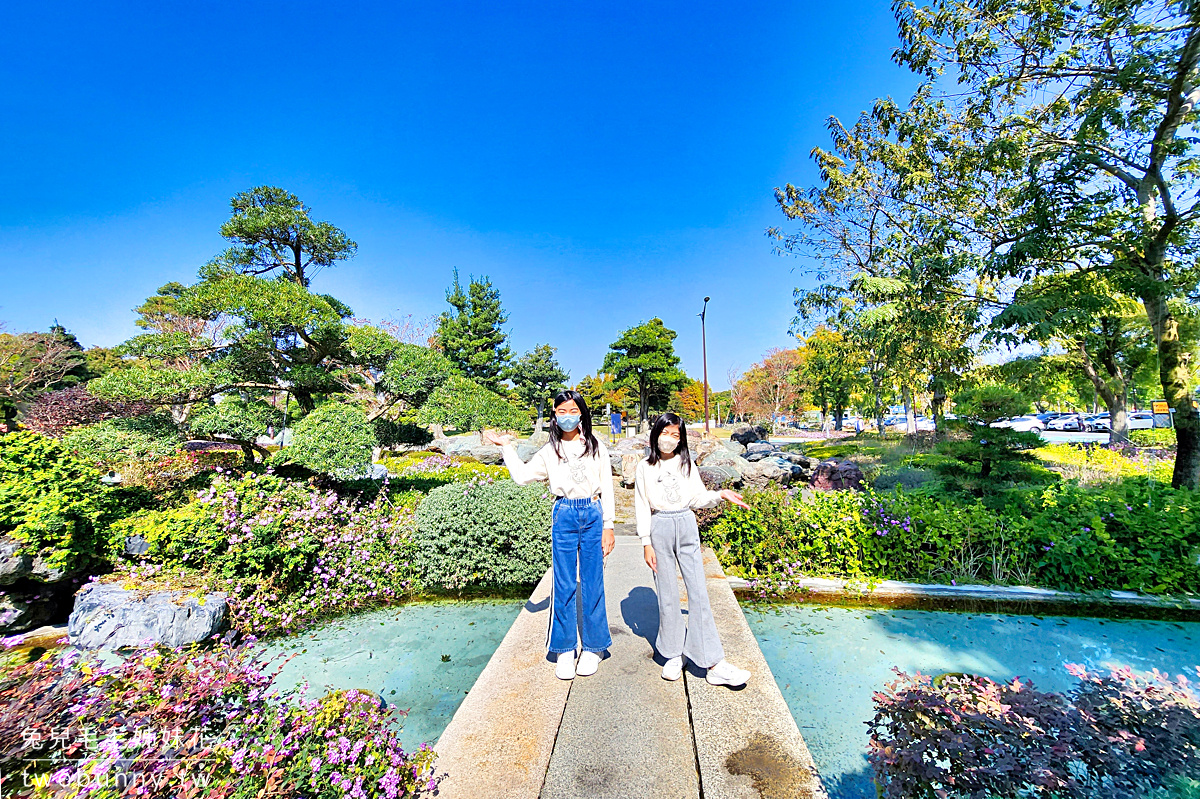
<point x="1050" y="416"/>
<point x="1138" y="420"/>
<point x="1072" y="423"/>
<point x="1024" y="424"/>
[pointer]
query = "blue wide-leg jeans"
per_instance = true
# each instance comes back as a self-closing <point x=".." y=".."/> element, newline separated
<point x="576" y="550"/>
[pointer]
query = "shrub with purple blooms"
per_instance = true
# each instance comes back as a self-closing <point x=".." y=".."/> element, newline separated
<point x="192" y="723"/>
<point x="1118" y="736"/>
<point x="287" y="553"/>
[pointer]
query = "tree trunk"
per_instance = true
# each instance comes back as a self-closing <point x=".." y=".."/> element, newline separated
<point x="939" y="404"/>
<point x="1173" y="374"/>
<point x="305" y="399"/>
<point x="876" y="385"/>
<point x="838" y="413"/>
<point x="10" y="418"/>
<point x="910" y="416"/>
<point x="541" y="409"/>
<point x="1113" y="400"/>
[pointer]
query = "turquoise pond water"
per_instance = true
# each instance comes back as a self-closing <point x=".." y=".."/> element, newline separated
<point x="829" y="660"/>
<point x="398" y="653"/>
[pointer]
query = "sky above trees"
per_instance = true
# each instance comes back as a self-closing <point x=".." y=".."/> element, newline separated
<point x="622" y="156"/>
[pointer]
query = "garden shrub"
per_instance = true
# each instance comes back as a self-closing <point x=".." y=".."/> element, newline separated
<point x="287" y="553"/>
<point x="1125" y="536"/>
<point x="193" y="723"/>
<point x="53" y="502"/>
<point x="1094" y="463"/>
<point x="151" y="435"/>
<point x="1156" y="437"/>
<point x="1130" y="536"/>
<point x="1116" y="736"/>
<point x="483" y="532"/>
<point x="389" y="433"/>
<point x="904" y="476"/>
<point x="334" y="439"/>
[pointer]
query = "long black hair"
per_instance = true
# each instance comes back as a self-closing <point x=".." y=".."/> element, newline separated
<point x="590" y="445"/>
<point x="685" y="456"/>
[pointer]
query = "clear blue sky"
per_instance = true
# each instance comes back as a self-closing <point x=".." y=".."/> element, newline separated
<point x="602" y="163"/>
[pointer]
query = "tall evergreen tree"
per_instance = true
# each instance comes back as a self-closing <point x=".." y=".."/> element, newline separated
<point x="644" y="358"/>
<point x="471" y="336"/>
<point x="538" y="375"/>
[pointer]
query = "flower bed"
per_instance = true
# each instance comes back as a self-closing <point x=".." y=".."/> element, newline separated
<point x="194" y="723"/>
<point x="1120" y="735"/>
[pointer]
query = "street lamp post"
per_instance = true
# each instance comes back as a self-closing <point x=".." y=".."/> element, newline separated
<point x="704" y="360"/>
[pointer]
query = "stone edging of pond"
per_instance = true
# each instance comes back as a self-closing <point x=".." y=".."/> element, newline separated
<point x="984" y="598"/>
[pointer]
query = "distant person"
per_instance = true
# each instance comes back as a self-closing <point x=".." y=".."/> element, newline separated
<point x="576" y="465"/>
<point x="666" y="489"/>
<point x="857" y="425"/>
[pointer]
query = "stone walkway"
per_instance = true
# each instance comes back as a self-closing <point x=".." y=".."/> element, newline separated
<point x="624" y="732"/>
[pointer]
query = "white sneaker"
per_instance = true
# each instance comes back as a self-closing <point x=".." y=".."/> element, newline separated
<point x="673" y="669"/>
<point x="565" y="670"/>
<point x="588" y="663"/>
<point x="725" y="673"/>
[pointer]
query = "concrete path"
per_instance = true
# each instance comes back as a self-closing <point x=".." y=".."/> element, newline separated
<point x="624" y="732"/>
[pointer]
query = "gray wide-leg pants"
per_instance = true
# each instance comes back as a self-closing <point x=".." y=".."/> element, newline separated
<point x="676" y="540"/>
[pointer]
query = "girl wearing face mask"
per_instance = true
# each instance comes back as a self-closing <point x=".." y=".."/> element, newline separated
<point x="576" y="466"/>
<point x="667" y="487"/>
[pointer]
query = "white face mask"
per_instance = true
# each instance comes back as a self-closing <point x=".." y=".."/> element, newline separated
<point x="667" y="444"/>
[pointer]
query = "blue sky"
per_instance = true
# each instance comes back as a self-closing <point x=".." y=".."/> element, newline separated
<point x="603" y="164"/>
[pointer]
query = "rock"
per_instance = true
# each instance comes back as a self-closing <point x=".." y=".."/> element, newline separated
<point x="470" y="446"/>
<point x="760" y="446"/>
<point x="800" y="460"/>
<point x="734" y="447"/>
<point x="634" y="444"/>
<point x="754" y="457"/>
<point x="539" y="439"/>
<point x="15" y="565"/>
<point x="723" y="457"/>
<point x="19" y="613"/>
<point x="701" y="447"/>
<point x="833" y="476"/>
<point x="525" y="451"/>
<point x="765" y="473"/>
<point x="745" y="433"/>
<point x="629" y="464"/>
<point x="716" y="477"/>
<point x="616" y="460"/>
<point x="108" y="616"/>
<point x="136" y="545"/>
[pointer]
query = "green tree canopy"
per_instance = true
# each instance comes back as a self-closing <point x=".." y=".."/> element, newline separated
<point x="471" y="336"/>
<point x="273" y="232"/>
<point x="644" y="358"/>
<point x="537" y="376"/>
<point x="466" y="406"/>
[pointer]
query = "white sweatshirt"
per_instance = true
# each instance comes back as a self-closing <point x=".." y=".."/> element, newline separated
<point x="577" y="477"/>
<point x="663" y="487"/>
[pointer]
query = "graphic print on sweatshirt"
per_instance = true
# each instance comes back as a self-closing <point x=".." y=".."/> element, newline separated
<point x="670" y="484"/>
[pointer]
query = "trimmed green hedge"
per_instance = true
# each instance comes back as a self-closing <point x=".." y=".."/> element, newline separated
<point x="483" y="533"/>
<point x="1125" y="536"/>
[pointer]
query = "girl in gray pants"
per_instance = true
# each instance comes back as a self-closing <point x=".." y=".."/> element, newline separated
<point x="667" y="488"/>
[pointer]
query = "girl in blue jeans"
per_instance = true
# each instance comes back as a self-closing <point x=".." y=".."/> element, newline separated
<point x="576" y="466"/>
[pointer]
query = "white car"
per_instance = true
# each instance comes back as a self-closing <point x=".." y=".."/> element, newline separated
<point x="1022" y="424"/>
<point x="1138" y="420"/>
<point x="1073" y="422"/>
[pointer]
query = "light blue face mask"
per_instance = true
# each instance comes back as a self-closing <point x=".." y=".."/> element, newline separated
<point x="567" y="423"/>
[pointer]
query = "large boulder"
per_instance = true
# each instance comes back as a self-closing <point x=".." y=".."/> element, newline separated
<point x="765" y="473"/>
<point x="16" y="566"/>
<point x="716" y="477"/>
<point x="723" y="457"/>
<point x="629" y="462"/>
<point x="20" y="612"/>
<point x="471" y="446"/>
<point x="833" y="476"/>
<point x="746" y="433"/>
<point x="702" y="446"/>
<point x="539" y="439"/>
<point x="760" y="446"/>
<point x="109" y="616"/>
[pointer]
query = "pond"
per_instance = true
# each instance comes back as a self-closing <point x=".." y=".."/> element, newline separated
<point x="422" y="657"/>
<point x="828" y="661"/>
